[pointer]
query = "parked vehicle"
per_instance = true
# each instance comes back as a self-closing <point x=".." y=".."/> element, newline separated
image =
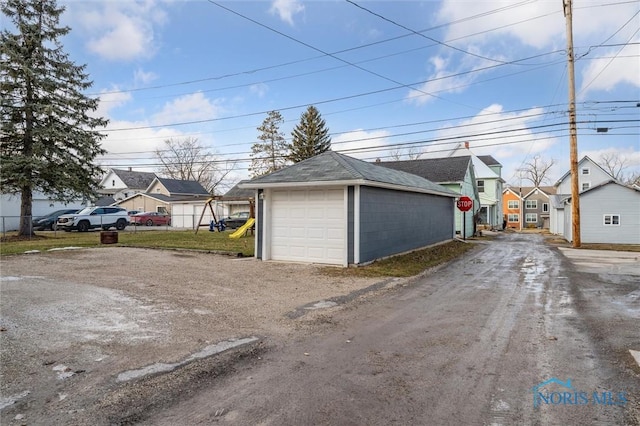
<point x="49" y="221"/>
<point x="236" y="220"/>
<point x="132" y="213"/>
<point x="94" y="217"/>
<point x="151" y="219"/>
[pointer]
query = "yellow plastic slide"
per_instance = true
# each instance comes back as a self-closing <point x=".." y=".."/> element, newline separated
<point x="243" y="229"/>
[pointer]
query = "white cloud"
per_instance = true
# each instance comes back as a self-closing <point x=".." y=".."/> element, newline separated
<point x="369" y="142"/>
<point x="259" y="89"/>
<point x="120" y="31"/>
<point x="629" y="155"/>
<point x="286" y="9"/>
<point x="141" y="77"/>
<point x="438" y="82"/>
<point x="111" y="99"/>
<point x="531" y="17"/>
<point x="605" y="72"/>
<point x="193" y="107"/>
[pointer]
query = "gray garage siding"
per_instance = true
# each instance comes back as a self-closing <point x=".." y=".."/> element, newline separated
<point x="350" y="224"/>
<point x="393" y="222"/>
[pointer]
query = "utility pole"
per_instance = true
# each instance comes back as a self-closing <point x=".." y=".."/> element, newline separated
<point x="573" y="133"/>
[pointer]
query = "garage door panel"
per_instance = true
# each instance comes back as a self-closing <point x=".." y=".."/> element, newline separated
<point x="308" y="225"/>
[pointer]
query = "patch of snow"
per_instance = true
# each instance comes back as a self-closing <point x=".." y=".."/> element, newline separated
<point x="10" y="400"/>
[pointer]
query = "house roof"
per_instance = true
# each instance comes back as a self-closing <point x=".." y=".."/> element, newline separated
<point x="602" y="185"/>
<point x="330" y="168"/>
<point x="135" y="180"/>
<point x="585" y="158"/>
<point x="236" y="193"/>
<point x="181" y="187"/>
<point x="489" y="160"/>
<point x="168" y="199"/>
<point x="105" y="200"/>
<point x="439" y="170"/>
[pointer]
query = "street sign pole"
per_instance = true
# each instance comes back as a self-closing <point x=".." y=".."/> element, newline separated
<point x="464" y="226"/>
<point x="464" y="204"/>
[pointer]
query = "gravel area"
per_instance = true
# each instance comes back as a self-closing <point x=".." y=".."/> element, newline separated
<point x="73" y="320"/>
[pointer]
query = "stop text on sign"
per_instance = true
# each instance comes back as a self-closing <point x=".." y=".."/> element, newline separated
<point x="464" y="204"/>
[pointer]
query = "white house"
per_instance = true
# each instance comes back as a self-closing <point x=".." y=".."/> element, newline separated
<point x="121" y="184"/>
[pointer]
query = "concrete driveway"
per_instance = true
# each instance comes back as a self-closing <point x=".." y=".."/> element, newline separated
<point x="604" y="261"/>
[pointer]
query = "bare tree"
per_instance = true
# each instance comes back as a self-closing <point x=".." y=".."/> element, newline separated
<point x="537" y="170"/>
<point x="410" y="154"/>
<point x="186" y="159"/>
<point x="614" y="164"/>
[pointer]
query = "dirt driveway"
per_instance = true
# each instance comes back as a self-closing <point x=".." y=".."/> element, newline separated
<point x="77" y="322"/>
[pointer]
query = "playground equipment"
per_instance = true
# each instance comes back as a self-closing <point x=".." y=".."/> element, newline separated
<point x="220" y="225"/>
<point x="243" y="229"/>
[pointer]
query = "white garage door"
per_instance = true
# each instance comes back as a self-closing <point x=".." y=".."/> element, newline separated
<point x="308" y="226"/>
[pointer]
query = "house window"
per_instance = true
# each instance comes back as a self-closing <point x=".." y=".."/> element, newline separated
<point x="480" y="186"/>
<point x="586" y="185"/>
<point x="113" y="182"/>
<point x="545" y="207"/>
<point x="511" y="217"/>
<point x="612" y="220"/>
<point x="531" y="204"/>
<point x="586" y="171"/>
<point x="512" y="204"/>
<point x="531" y="218"/>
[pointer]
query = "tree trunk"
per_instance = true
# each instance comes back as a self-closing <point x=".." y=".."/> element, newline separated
<point x="26" y="198"/>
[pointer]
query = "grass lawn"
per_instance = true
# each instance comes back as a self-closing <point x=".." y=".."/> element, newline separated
<point x="203" y="240"/>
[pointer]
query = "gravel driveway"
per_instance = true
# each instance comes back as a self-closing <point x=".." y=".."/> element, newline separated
<point x="73" y="321"/>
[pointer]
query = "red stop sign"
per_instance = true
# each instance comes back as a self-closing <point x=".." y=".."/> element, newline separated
<point x="464" y="204"/>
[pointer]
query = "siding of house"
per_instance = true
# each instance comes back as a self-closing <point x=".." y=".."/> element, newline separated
<point x="393" y="222"/>
<point x="608" y="200"/>
<point x="465" y="188"/>
<point x="157" y="188"/>
<point x="541" y="198"/>
<point x="147" y="204"/>
<point x="506" y="197"/>
<point x="595" y="177"/>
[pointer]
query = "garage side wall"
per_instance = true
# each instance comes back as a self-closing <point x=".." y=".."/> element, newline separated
<point x="350" y="224"/>
<point x="393" y="222"/>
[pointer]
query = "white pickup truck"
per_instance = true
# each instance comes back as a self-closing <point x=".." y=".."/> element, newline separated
<point x="94" y="217"/>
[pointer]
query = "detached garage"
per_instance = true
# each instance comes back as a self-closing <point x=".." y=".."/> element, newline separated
<point x="337" y="210"/>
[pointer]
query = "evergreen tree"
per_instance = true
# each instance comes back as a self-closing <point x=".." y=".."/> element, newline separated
<point x="47" y="137"/>
<point x="310" y="136"/>
<point x="270" y="154"/>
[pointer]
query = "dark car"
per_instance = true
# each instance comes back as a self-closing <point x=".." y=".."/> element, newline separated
<point x="236" y="220"/>
<point x="49" y="221"/>
<point x="151" y="219"/>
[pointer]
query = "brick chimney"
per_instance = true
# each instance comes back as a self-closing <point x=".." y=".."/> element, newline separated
<point x="466" y="145"/>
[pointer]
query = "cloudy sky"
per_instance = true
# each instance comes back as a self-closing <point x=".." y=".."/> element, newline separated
<point x="389" y="77"/>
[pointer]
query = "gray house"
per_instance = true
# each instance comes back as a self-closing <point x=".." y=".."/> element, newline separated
<point x="334" y="209"/>
<point x="454" y="173"/>
<point x="609" y="213"/>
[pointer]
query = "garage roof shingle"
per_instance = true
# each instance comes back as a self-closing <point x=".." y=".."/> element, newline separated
<point x="332" y="166"/>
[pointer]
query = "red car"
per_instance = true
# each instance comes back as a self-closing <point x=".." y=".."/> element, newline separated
<point x="151" y="219"/>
